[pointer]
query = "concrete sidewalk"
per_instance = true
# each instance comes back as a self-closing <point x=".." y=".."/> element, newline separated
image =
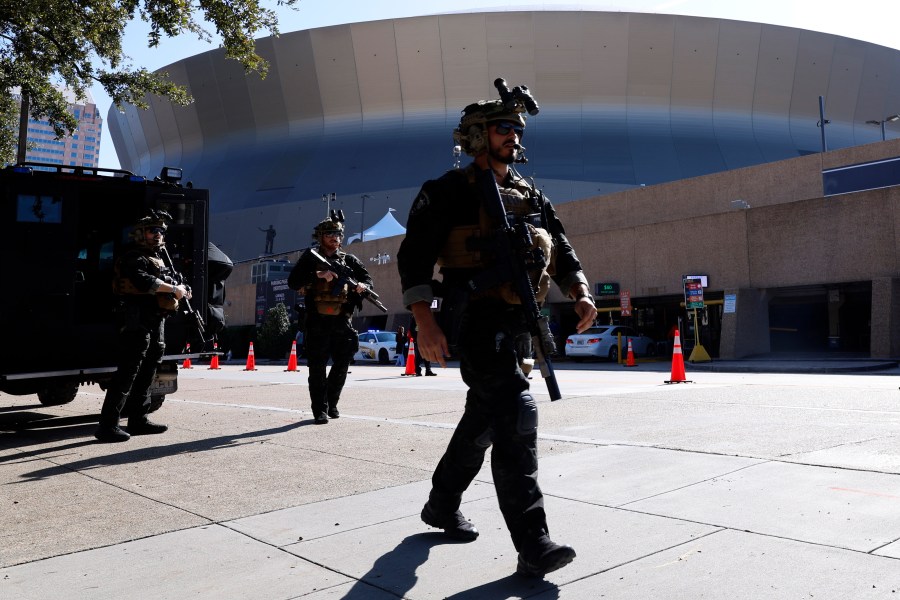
<point x="732" y="487"/>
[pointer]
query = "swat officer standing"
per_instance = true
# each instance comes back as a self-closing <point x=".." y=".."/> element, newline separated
<point x="146" y="296"/>
<point x="449" y="225"/>
<point x="329" y="306"/>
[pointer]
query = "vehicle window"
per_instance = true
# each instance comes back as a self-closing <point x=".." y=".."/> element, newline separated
<point x="596" y="330"/>
<point x="386" y="337"/>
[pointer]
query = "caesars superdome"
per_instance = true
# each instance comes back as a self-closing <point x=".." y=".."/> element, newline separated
<point x="365" y="111"/>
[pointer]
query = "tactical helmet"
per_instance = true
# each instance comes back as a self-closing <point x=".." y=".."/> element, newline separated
<point x="155" y="219"/>
<point x="471" y="132"/>
<point x="327" y="226"/>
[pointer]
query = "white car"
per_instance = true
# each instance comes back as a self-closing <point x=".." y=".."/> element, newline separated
<point x="602" y="342"/>
<point x="377" y="345"/>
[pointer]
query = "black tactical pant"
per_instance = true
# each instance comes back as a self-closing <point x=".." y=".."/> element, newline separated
<point x="141" y="346"/>
<point x="328" y="337"/>
<point x="499" y="412"/>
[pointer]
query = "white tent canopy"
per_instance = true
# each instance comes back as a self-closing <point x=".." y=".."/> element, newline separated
<point x="386" y="227"/>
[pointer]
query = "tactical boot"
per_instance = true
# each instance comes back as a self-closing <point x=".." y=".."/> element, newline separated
<point x="454" y="525"/>
<point x="321" y="419"/>
<point x="144" y="426"/>
<point x="334" y="413"/>
<point x="541" y="556"/>
<point x="111" y="433"/>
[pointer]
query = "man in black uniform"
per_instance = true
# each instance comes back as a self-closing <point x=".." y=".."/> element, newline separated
<point x="448" y="225"/>
<point x="329" y="305"/>
<point x="146" y="296"/>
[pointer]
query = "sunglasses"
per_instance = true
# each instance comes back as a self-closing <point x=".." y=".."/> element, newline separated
<point x="334" y="235"/>
<point x="504" y="127"/>
<point x="156" y="230"/>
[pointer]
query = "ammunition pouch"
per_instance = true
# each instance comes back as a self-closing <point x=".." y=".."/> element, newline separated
<point x="167" y="302"/>
<point x="473" y="246"/>
<point x="328" y="302"/>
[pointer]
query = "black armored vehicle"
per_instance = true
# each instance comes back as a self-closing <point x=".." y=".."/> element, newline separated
<point x="61" y="231"/>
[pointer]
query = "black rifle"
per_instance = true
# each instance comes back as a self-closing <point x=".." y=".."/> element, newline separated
<point x="515" y="257"/>
<point x="345" y="275"/>
<point x="178" y="278"/>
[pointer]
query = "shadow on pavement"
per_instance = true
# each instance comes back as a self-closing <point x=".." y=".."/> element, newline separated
<point x="395" y="573"/>
<point x="140" y="454"/>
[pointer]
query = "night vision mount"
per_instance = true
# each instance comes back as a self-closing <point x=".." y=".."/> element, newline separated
<point x="519" y="96"/>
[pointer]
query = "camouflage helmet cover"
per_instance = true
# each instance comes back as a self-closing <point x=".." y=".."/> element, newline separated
<point x="470" y="133"/>
<point x="155" y="218"/>
<point x="327" y="226"/>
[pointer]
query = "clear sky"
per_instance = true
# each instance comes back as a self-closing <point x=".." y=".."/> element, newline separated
<point x="868" y="20"/>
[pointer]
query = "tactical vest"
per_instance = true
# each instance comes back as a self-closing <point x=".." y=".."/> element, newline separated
<point x="327" y="299"/>
<point x="124" y="286"/>
<point x="469" y="246"/>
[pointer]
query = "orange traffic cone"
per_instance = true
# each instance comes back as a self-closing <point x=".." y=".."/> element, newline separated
<point x="292" y="361"/>
<point x="187" y="362"/>
<point x="214" y="361"/>
<point x="629" y="362"/>
<point x="677" y="362"/>
<point x="251" y="360"/>
<point x="410" y="359"/>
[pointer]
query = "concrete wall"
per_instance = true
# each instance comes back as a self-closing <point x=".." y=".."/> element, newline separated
<point x="646" y="238"/>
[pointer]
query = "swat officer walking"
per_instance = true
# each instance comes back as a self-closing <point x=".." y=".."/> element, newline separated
<point x="449" y="225"/>
<point x="330" y="303"/>
<point x="145" y="297"/>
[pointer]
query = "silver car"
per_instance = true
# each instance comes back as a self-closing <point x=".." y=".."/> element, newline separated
<point x="602" y="342"/>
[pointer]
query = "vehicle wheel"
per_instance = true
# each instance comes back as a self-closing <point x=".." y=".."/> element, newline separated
<point x="155" y="402"/>
<point x="61" y="393"/>
<point x="383" y="357"/>
<point x="614" y="354"/>
<point x="651" y="349"/>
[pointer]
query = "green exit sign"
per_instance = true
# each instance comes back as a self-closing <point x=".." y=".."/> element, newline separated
<point x="606" y="289"/>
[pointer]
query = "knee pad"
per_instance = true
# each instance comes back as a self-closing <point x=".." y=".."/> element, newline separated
<point x="527" y="421"/>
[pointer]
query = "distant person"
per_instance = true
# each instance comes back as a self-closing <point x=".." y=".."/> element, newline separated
<point x="145" y="296"/>
<point x="270" y="239"/>
<point x="329" y="305"/>
<point x="400" y="348"/>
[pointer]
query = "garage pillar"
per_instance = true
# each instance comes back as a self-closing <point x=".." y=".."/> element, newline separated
<point x="885" y="325"/>
<point x="746" y="330"/>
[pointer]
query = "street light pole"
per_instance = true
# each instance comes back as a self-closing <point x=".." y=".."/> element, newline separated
<point x="362" y="219"/>
<point x="328" y="199"/>
<point x="889" y="119"/>
<point x="823" y="122"/>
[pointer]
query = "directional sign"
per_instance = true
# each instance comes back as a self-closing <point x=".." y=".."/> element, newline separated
<point x="693" y="292"/>
<point x="625" y="303"/>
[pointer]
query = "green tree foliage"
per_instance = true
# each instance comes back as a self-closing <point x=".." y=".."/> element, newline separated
<point x="47" y="44"/>
<point x="274" y="337"/>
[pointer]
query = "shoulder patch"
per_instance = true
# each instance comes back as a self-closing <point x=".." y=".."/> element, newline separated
<point x="420" y="203"/>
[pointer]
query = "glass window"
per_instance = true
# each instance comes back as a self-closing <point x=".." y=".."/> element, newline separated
<point x="38" y="209"/>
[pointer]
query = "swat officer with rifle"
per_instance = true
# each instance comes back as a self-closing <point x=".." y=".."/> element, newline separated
<point x="335" y="284"/>
<point x="498" y="243"/>
<point x="147" y="292"/>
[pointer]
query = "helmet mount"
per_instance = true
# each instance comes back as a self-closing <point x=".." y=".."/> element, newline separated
<point x="471" y="133"/>
<point x="333" y="224"/>
<point x="155" y="219"/>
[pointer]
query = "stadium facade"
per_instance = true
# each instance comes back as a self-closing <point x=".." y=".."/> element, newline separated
<point x="365" y="110"/>
<point x="672" y="146"/>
